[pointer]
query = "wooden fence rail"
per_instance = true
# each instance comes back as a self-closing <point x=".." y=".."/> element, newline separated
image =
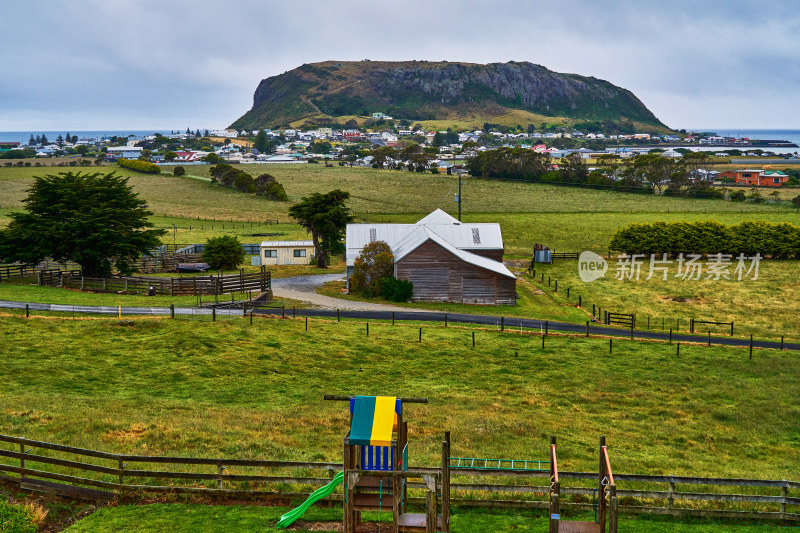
<point x="122" y="477"/>
<point x="183" y="286"/>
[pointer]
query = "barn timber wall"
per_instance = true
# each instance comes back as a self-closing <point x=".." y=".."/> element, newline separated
<point x="439" y="276"/>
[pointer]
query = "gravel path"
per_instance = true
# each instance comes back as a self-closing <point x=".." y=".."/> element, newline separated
<point x="303" y="288"/>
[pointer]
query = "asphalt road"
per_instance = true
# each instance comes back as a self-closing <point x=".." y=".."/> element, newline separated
<point x="406" y="315"/>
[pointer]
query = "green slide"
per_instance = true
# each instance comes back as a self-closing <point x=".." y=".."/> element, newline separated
<point x="322" y="492"/>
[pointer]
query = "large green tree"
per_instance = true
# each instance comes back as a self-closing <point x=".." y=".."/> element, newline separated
<point x="326" y="217"/>
<point x="95" y="220"/>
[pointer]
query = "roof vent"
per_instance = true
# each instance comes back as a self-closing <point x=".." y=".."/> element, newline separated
<point x="476" y="236"/>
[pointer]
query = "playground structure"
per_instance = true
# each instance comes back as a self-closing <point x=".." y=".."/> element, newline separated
<point x="605" y="502"/>
<point x="376" y="470"/>
<point x="376" y="475"/>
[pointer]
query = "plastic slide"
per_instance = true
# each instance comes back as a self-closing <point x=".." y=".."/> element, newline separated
<point x="322" y="492"/>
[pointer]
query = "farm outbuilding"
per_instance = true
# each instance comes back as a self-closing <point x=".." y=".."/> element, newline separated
<point x="446" y="260"/>
<point x="286" y="252"/>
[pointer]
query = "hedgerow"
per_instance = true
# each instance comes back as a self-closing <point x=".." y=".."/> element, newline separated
<point x="709" y="237"/>
<point x="145" y="167"/>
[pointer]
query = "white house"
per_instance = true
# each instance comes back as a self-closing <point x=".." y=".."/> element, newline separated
<point x="286" y="252"/>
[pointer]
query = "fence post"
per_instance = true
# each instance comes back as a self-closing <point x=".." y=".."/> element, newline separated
<point x="28" y="315"/>
<point x="283" y="311"/>
<point x="781" y="342"/>
<point x="784" y="495"/>
<point x="587" y="328"/>
<point x="709" y="338"/>
<point x="393" y="318"/>
<point x="120" y="466"/>
<point x="546" y="327"/>
<point x="543" y="336"/>
<point x="22" y="462"/>
<point x="252" y="310"/>
<point x="473" y="339"/>
<point x="172" y="310"/>
<point x="579" y="300"/>
<point x="671" y="494"/>
<point x="610" y="345"/>
<point x="556" y="286"/>
<point x="731" y="328"/>
<point x="213" y="314"/>
<point x="691" y="325"/>
<point x="502" y="323"/>
<point x="171" y="286"/>
<point x="306" y="323"/>
<point x="677" y="324"/>
<point x="548" y="281"/>
<point x="670" y="335"/>
<point x="337" y="316"/>
<point x="420" y="334"/>
<point x="678" y="352"/>
<point x="567" y="293"/>
<point x="751" y="346"/>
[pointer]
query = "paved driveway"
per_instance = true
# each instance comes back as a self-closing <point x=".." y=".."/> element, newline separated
<point x="303" y="288"/>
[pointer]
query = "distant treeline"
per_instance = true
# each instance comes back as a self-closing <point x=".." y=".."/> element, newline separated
<point x="145" y="167"/>
<point x="709" y="237"/>
<point x="647" y="173"/>
<point x="264" y="185"/>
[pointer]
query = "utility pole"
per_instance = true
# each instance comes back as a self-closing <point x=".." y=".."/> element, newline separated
<point x="459" y="198"/>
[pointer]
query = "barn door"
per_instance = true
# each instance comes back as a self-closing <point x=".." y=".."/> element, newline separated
<point x="431" y="284"/>
<point x="479" y="291"/>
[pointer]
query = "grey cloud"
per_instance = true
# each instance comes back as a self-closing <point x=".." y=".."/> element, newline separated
<point x="98" y="64"/>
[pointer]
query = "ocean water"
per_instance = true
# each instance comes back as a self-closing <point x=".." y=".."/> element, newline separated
<point x="788" y="135"/>
<point x="24" y="136"/>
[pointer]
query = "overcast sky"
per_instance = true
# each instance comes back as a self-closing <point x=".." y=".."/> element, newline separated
<point x="172" y="64"/>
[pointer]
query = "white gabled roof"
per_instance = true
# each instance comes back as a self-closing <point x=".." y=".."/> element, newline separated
<point x="482" y="236"/>
<point x="423" y="234"/>
<point x="438" y="217"/>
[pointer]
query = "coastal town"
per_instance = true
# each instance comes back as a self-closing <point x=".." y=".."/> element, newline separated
<point x="383" y="143"/>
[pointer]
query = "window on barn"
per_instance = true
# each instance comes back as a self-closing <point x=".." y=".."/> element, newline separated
<point x="270" y="253"/>
<point x="299" y="253"/>
<point x="373" y="235"/>
<point x="476" y="236"/>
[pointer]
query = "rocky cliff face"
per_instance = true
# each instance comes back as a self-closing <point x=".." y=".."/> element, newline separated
<point x="419" y="90"/>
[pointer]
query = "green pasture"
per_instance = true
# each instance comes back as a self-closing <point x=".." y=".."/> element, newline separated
<point x="230" y="389"/>
<point x="170" y="518"/>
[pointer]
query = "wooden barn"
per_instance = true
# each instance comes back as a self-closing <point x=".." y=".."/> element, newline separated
<point x="446" y="260"/>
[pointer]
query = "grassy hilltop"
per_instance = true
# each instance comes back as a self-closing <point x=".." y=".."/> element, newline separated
<point x="463" y="93"/>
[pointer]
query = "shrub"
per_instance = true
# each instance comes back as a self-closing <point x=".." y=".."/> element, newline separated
<point x="738" y="196"/>
<point x="371" y="267"/>
<point x="268" y="187"/>
<point x="396" y="290"/>
<point x="178" y="171"/>
<point x="223" y="253"/>
<point x="145" y="167"/>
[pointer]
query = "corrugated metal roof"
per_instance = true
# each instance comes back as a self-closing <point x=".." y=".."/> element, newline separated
<point x="457" y="235"/>
<point x="423" y="234"/>
<point x="438" y="217"/>
<point x="285" y="244"/>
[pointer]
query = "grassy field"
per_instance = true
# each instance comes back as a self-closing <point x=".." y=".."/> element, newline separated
<point x="196" y="518"/>
<point x="768" y="306"/>
<point x="373" y="191"/>
<point x="229" y="389"/>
